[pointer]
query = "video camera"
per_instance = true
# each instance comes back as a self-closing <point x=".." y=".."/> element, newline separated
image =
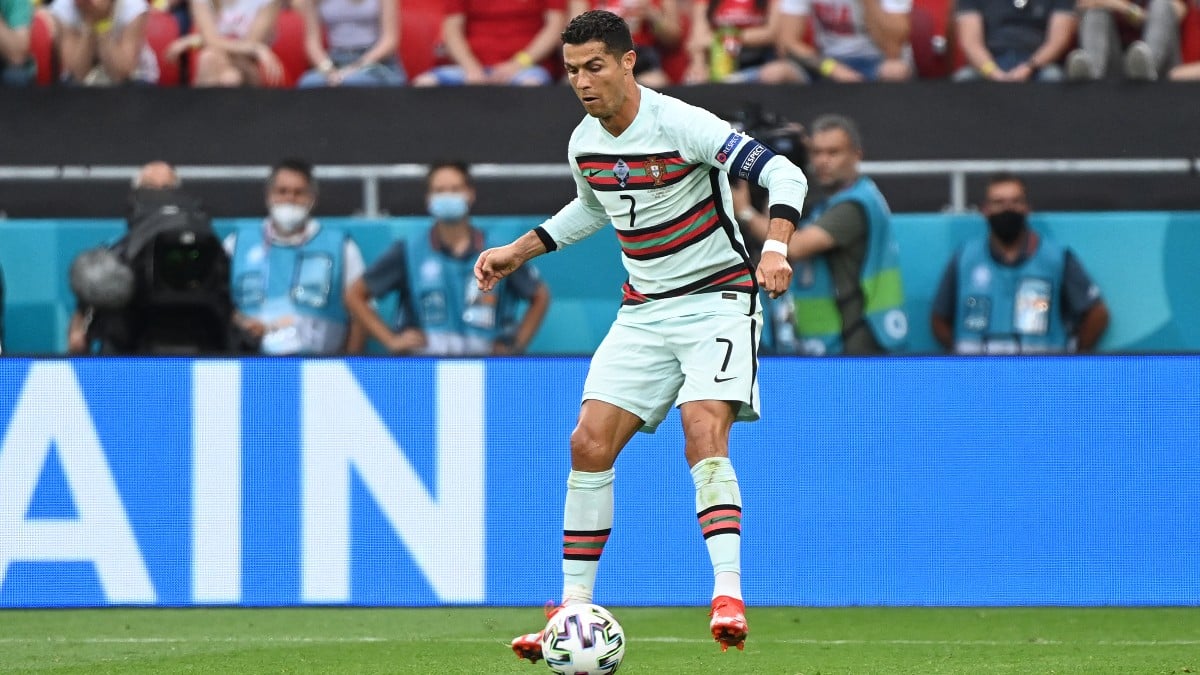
<point x="781" y="135"/>
<point x="775" y="131"/>
<point x="179" y="300"/>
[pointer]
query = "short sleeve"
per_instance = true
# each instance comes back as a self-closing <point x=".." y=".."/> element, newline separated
<point x="795" y="7"/>
<point x="352" y="266"/>
<point x="896" y="6"/>
<point x="947" y="292"/>
<point x="129" y="10"/>
<point x="389" y="272"/>
<point x="1079" y="291"/>
<point x="65" y="12"/>
<point x="845" y="222"/>
<point x="525" y="282"/>
<point x="20" y="14"/>
<point x="969" y="7"/>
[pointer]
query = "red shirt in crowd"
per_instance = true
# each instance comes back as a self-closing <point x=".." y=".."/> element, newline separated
<point x="497" y="29"/>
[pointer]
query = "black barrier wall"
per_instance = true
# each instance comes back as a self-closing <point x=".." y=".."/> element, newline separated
<point x="922" y="120"/>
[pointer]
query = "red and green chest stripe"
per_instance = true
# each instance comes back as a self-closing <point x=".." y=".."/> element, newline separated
<point x="609" y="173"/>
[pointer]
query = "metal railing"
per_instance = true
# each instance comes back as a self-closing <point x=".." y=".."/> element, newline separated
<point x="955" y="170"/>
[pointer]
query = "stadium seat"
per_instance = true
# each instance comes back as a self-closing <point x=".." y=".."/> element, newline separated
<point x="161" y="30"/>
<point x="41" y="47"/>
<point x="420" y="35"/>
<point x="1190" y="35"/>
<point x="289" y="46"/>
<point x="931" y="24"/>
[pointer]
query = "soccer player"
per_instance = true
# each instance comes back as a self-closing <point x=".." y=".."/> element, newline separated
<point x="688" y="329"/>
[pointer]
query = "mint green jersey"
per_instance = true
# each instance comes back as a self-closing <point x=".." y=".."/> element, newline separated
<point x="663" y="184"/>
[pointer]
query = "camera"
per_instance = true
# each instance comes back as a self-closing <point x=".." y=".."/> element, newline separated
<point x="773" y="130"/>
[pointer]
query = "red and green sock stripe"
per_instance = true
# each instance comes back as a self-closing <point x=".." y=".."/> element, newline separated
<point x="720" y="519"/>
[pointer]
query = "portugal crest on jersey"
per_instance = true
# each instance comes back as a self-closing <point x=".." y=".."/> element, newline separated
<point x="656" y="169"/>
<point x="621" y="171"/>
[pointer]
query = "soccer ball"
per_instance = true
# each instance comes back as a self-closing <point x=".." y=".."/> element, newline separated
<point x="583" y="639"/>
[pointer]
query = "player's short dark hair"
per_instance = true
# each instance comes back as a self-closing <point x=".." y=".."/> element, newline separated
<point x="598" y="24"/>
<point x="457" y="165"/>
<point x="847" y="125"/>
<point x="297" y="165"/>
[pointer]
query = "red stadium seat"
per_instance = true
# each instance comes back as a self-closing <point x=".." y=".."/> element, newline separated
<point x="41" y="47"/>
<point x="161" y="30"/>
<point x="289" y="46"/>
<point x="420" y="35"/>
<point x="931" y="34"/>
<point x="1190" y="35"/>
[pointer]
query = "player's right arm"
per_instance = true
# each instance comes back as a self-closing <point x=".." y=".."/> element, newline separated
<point x="579" y="219"/>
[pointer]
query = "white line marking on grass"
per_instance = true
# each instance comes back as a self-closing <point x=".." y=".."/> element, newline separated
<point x="665" y="639"/>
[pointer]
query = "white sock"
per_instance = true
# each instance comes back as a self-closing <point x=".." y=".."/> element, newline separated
<point x="719" y="510"/>
<point x="587" y="522"/>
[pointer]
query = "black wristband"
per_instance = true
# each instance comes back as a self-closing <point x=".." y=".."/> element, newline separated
<point x="547" y="240"/>
<point x="788" y="213"/>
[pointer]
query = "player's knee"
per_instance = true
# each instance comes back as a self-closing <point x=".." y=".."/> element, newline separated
<point x="705" y="436"/>
<point x="591" y="451"/>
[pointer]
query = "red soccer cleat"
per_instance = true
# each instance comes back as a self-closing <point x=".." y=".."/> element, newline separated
<point x="729" y="622"/>
<point x="529" y="645"/>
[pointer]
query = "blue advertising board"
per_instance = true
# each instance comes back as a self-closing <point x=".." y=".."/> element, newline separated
<point x="412" y="482"/>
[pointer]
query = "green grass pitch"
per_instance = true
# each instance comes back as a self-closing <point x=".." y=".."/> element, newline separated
<point x="786" y="640"/>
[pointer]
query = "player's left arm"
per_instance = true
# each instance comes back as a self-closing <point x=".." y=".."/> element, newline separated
<point x="706" y="137"/>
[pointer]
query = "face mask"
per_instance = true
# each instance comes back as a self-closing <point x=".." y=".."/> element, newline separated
<point x="1007" y="225"/>
<point x="289" y="217"/>
<point x="448" y="206"/>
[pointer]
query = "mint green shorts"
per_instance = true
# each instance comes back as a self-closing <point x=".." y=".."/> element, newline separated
<point x="646" y="367"/>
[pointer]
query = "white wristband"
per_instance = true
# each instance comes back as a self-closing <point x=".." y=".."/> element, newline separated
<point x="776" y="246"/>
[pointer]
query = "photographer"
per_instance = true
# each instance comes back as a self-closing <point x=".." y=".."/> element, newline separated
<point x="846" y="296"/>
<point x="163" y="288"/>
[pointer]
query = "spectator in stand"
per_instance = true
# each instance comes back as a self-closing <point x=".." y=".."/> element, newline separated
<point x="656" y="26"/>
<point x="1015" y="291"/>
<point x="1145" y="31"/>
<point x="103" y="42"/>
<point x="290" y="273"/>
<point x="1014" y="41"/>
<point x="232" y="43"/>
<point x="856" y="40"/>
<point x="441" y="310"/>
<point x="499" y="42"/>
<point x="17" y="68"/>
<point x="352" y="43"/>
<point x="736" y="41"/>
